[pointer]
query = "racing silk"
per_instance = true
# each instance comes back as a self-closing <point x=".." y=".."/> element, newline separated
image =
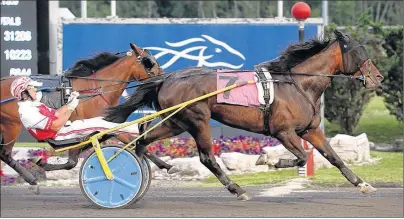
<point x="37" y="118"/>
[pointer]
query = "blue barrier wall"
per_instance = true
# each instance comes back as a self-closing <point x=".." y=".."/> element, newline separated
<point x="176" y="46"/>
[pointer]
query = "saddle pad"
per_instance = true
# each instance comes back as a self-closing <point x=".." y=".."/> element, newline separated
<point x="246" y="95"/>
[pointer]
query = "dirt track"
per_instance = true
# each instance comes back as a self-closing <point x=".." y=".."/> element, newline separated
<point x="208" y="202"/>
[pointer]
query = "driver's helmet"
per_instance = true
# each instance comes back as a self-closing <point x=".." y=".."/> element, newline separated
<point x="20" y="85"/>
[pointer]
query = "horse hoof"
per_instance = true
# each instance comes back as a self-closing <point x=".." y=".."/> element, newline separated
<point x="244" y="197"/>
<point x="366" y="188"/>
<point x="34" y="189"/>
<point x="262" y="160"/>
<point x="173" y="169"/>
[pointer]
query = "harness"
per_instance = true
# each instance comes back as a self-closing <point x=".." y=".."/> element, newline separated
<point x="264" y="78"/>
<point x="96" y="90"/>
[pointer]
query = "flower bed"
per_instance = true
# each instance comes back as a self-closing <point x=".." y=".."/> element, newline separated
<point x="186" y="147"/>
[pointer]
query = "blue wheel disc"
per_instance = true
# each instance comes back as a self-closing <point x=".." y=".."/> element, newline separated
<point x="111" y="193"/>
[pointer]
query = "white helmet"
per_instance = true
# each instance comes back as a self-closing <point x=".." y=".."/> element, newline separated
<point x="20" y="85"/>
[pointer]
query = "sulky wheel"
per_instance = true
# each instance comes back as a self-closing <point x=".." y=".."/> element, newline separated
<point x="120" y="192"/>
<point x="147" y="177"/>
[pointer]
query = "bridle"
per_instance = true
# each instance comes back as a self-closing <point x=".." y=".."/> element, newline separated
<point x="365" y="69"/>
<point x="145" y="61"/>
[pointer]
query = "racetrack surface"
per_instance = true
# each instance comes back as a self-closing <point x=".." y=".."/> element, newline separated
<point x="208" y="202"/>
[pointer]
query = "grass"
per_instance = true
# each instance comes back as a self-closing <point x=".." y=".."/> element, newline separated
<point x="376" y="122"/>
<point x="388" y="170"/>
<point x="32" y="144"/>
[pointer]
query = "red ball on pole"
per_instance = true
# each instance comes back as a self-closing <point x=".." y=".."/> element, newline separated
<point x="301" y="11"/>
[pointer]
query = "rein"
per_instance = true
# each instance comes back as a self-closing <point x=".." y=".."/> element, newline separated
<point x="96" y="90"/>
<point x="97" y="79"/>
<point x="319" y="75"/>
<point x="279" y="73"/>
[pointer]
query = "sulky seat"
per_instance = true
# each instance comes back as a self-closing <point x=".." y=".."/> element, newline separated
<point x="57" y="144"/>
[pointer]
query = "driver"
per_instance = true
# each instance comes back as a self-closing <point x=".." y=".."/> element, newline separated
<point x="44" y="123"/>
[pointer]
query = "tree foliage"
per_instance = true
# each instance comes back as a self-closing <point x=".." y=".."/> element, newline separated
<point x="340" y="12"/>
<point x="393" y="83"/>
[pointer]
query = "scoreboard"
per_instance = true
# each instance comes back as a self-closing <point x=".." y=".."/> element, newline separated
<point x="18" y="37"/>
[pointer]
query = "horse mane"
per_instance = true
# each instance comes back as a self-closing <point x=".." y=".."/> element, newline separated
<point x="296" y="54"/>
<point x="86" y="67"/>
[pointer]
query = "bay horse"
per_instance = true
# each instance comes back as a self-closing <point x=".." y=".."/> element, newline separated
<point x="304" y="71"/>
<point x="106" y="75"/>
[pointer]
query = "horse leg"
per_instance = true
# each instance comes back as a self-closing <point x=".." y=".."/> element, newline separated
<point x="160" y="163"/>
<point x="70" y="164"/>
<point x="140" y="151"/>
<point x="203" y="140"/>
<point x="161" y="132"/>
<point x="153" y="158"/>
<point x="318" y="140"/>
<point x="5" y="156"/>
<point x="291" y="142"/>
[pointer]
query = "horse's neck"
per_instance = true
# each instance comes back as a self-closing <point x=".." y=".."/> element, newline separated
<point x="120" y="70"/>
<point x="325" y="62"/>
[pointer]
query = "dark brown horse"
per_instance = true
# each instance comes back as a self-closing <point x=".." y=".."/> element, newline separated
<point x="111" y="71"/>
<point x="294" y="113"/>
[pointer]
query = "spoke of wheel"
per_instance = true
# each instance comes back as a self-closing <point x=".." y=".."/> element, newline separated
<point x="96" y="179"/>
<point x="111" y="192"/>
<point x="124" y="183"/>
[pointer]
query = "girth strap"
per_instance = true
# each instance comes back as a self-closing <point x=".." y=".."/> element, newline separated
<point x="265" y="77"/>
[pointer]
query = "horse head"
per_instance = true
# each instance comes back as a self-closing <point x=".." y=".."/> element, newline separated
<point x="147" y="64"/>
<point x="206" y="50"/>
<point x="355" y="61"/>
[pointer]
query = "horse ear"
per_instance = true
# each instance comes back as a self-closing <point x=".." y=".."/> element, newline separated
<point x="341" y="36"/>
<point x="337" y="33"/>
<point x="132" y="46"/>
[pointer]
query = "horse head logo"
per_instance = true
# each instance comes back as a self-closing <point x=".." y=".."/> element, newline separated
<point x="206" y="51"/>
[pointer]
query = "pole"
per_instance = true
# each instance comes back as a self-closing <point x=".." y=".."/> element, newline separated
<point x="325" y="12"/>
<point x="54" y="17"/>
<point x="280" y="8"/>
<point x="301" y="31"/>
<point x="83" y="8"/>
<point x="308" y="168"/>
<point x="301" y="171"/>
<point x="113" y="8"/>
<point x="325" y="23"/>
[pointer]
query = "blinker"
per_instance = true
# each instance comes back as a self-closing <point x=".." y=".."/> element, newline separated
<point x="147" y="63"/>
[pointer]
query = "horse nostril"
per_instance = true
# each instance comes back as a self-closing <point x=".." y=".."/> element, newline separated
<point x="380" y="77"/>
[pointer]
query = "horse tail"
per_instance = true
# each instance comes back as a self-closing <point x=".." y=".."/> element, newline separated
<point x="146" y="95"/>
